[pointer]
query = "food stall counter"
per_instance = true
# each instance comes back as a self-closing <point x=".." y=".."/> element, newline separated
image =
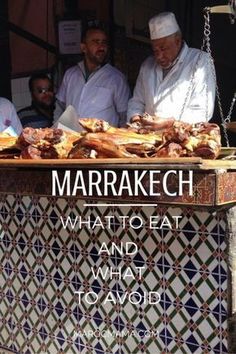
<point x="118" y="255"/>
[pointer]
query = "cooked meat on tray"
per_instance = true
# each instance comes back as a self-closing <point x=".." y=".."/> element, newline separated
<point x="147" y="137"/>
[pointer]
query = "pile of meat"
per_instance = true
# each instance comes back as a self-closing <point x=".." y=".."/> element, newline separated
<point x="145" y="137"/>
<point x="148" y="137"/>
<point x="47" y="143"/>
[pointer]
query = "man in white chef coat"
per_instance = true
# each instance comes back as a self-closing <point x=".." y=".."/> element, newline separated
<point x="93" y="87"/>
<point x="177" y="81"/>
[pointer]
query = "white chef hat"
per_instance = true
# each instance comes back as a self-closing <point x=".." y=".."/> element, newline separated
<point x="163" y="25"/>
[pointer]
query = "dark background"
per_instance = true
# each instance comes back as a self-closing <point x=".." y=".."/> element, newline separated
<point x="127" y="53"/>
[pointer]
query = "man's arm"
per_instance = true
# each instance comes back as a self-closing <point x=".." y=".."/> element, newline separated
<point x="15" y="121"/>
<point x="136" y="105"/>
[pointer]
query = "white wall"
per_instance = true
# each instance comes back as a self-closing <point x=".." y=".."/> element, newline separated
<point x="20" y="93"/>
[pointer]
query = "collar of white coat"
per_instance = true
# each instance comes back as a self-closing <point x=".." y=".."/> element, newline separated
<point x="180" y="58"/>
<point x="182" y="54"/>
<point x="81" y="64"/>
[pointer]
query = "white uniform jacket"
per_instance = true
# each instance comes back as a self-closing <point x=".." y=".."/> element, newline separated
<point x="8" y="116"/>
<point x="188" y="88"/>
<point x="104" y="95"/>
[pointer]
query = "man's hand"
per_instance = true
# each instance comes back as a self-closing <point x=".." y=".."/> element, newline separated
<point x="136" y="118"/>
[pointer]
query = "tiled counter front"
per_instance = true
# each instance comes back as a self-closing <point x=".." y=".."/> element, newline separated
<point x="43" y="265"/>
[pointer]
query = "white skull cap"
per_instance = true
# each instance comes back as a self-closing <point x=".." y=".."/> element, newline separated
<point x="163" y="25"/>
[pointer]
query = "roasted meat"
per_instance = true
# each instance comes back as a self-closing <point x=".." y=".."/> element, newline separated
<point x="117" y="142"/>
<point x="46" y="143"/>
<point x="204" y="141"/>
<point x="173" y="150"/>
<point x="8" y="142"/>
<point x="94" y="125"/>
<point x="179" y="132"/>
<point x="39" y="152"/>
<point x="201" y="139"/>
<point x="103" y="141"/>
<point x="147" y="123"/>
<point x="103" y="147"/>
<point x="31" y="136"/>
<point x="9" y="147"/>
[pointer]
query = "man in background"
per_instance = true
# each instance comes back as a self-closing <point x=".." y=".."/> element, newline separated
<point x="40" y="113"/>
<point x="176" y="81"/>
<point x="93" y="87"/>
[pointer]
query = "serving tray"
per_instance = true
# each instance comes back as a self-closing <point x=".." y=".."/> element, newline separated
<point x="179" y="163"/>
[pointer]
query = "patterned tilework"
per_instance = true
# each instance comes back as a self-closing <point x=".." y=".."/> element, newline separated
<point x="44" y="264"/>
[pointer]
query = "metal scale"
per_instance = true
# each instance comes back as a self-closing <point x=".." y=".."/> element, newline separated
<point x="231" y="10"/>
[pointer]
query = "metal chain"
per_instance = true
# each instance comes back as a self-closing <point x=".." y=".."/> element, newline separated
<point x="227" y="119"/>
<point x="206" y="44"/>
<point x="189" y="87"/>
<point x="232" y="16"/>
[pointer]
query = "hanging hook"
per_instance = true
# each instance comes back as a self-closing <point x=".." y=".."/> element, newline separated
<point x="232" y="16"/>
<point x="207" y="9"/>
<point x="224" y="9"/>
